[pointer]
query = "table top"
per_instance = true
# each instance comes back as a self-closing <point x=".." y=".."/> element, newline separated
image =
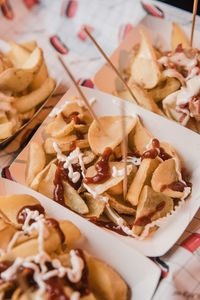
<point x="26" y="20"/>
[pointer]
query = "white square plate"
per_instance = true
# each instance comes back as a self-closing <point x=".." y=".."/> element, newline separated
<point x="140" y="273"/>
<point x="187" y="144"/>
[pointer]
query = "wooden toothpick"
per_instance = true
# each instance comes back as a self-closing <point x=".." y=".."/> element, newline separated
<point x="81" y="94"/>
<point x="111" y="64"/>
<point x="195" y="3"/>
<point x="124" y="149"/>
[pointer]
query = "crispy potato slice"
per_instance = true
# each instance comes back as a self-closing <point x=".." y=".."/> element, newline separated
<point x="116" y="189"/>
<point x="164" y="88"/>
<point x="17" y="54"/>
<point x="41" y="175"/>
<point x="71" y="232"/>
<point x="95" y="206"/>
<point x="27" y="102"/>
<point x="169" y="107"/>
<point x="124" y="94"/>
<point x="36" y="161"/>
<point x="164" y="175"/>
<point x="112" y="136"/>
<point x="64" y="143"/>
<point x="151" y="202"/>
<point x="121" y="206"/>
<point x="171" y="151"/>
<point x="142" y="177"/>
<point x="105" y="283"/>
<point x="112" y="181"/>
<point x="72" y="107"/>
<point x="139" y="138"/>
<point x="15" y="79"/>
<point x="6" y="130"/>
<point x="145" y="69"/>
<point x="59" y="128"/>
<point x="46" y="186"/>
<point x="73" y="199"/>
<point x="143" y="98"/>
<point x="178" y="36"/>
<point x="12" y="204"/>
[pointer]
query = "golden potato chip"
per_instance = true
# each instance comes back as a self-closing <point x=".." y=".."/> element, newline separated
<point x="36" y="161"/>
<point x="164" y="176"/>
<point x="121" y="206"/>
<point x="71" y="232"/>
<point x="178" y="37"/>
<point x="29" y="45"/>
<point x="73" y="199"/>
<point x="139" y="138"/>
<point x="116" y="189"/>
<point x="145" y="69"/>
<point x="105" y="283"/>
<point x="115" y="167"/>
<point x="12" y="204"/>
<point x="59" y="128"/>
<point x="112" y="135"/>
<point x="95" y="206"/>
<point x="142" y="177"/>
<point x="151" y="206"/>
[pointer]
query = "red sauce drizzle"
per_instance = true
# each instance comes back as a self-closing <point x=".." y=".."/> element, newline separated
<point x="53" y="223"/>
<point x="143" y="221"/>
<point x="177" y="186"/>
<point x="156" y="151"/>
<point x="109" y="225"/>
<point x="21" y="217"/>
<point x="73" y="116"/>
<point x="102" y="168"/>
<point x="55" y="289"/>
<point x="62" y="174"/>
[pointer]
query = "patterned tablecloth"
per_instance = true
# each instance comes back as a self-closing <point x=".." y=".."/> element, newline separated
<point x="57" y="27"/>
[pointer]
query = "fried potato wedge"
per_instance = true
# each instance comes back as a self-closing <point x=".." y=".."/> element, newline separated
<point x="29" y="45"/>
<point x="151" y="206"/>
<point x="36" y="161"/>
<point x="27" y="102"/>
<point x="105" y="283"/>
<point x="116" y="189"/>
<point x="139" y="138"/>
<point x="178" y="36"/>
<point x="164" y="88"/>
<point x="15" y="79"/>
<point x="121" y="206"/>
<point x="112" y="181"/>
<point x="142" y="177"/>
<point x="17" y="54"/>
<point x="39" y="78"/>
<point x="145" y="69"/>
<point x="34" y="61"/>
<point x="95" y="206"/>
<point x="163" y="176"/>
<point x="71" y="107"/>
<point x="112" y="135"/>
<point x="12" y="204"/>
<point x="73" y="199"/>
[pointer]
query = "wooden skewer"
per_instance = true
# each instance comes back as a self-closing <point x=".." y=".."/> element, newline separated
<point x="124" y="149"/>
<point x="110" y="63"/>
<point x="81" y="94"/>
<point x="193" y="21"/>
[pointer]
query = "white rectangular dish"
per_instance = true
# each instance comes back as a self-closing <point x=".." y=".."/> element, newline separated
<point x="140" y="273"/>
<point x="186" y="143"/>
